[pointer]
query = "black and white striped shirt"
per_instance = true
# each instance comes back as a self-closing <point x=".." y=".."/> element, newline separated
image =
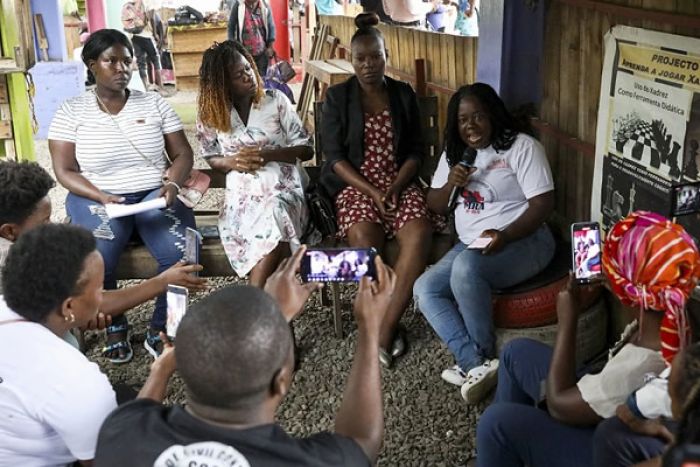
<point x="103" y="151"/>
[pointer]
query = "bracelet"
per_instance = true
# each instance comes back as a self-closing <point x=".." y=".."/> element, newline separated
<point x="170" y="182"/>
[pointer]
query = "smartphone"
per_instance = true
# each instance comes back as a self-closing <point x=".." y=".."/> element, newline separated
<point x="480" y="243"/>
<point x="338" y="264"/>
<point x="176" y="298"/>
<point x="685" y="199"/>
<point x="193" y="242"/>
<point x="208" y="231"/>
<point x="585" y="251"/>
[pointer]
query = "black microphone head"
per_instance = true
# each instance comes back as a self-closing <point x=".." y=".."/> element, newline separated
<point x="469" y="156"/>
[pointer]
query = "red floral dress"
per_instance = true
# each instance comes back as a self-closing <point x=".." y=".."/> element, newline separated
<point x="380" y="169"/>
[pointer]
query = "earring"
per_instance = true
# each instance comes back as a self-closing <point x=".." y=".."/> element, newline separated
<point x="72" y="318"/>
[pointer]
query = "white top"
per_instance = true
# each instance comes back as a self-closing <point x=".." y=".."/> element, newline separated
<point x="53" y="400"/>
<point x="498" y="191"/>
<point x="626" y="372"/>
<point x="105" y="156"/>
<point x="653" y="400"/>
<point x="407" y="11"/>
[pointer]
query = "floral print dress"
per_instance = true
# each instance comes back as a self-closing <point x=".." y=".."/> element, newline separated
<point x="267" y="207"/>
<point x="380" y="168"/>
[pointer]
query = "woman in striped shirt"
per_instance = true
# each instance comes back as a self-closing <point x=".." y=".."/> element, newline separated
<point x="108" y="145"/>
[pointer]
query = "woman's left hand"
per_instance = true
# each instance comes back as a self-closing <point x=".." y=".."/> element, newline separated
<point x="498" y="241"/>
<point x="169" y="192"/>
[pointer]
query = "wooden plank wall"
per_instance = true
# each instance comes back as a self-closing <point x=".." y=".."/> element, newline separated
<point x="450" y="60"/>
<point x="573" y="61"/>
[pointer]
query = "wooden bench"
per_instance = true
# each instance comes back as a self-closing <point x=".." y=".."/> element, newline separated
<point x="327" y="74"/>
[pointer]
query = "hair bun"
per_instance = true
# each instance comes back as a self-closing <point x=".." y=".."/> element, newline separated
<point x="366" y="20"/>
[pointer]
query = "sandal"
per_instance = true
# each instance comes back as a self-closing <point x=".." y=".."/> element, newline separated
<point x="151" y="344"/>
<point x="119" y="345"/>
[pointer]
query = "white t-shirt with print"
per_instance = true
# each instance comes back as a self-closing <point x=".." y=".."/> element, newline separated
<point x="102" y="149"/>
<point x="53" y="400"/>
<point x="498" y="190"/>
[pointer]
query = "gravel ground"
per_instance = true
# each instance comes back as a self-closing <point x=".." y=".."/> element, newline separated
<point x="427" y="422"/>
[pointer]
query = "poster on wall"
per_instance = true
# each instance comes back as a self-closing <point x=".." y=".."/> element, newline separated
<point x="648" y="134"/>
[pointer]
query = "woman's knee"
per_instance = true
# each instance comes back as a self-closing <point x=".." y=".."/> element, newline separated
<point x="467" y="266"/>
<point x="498" y="421"/>
<point x="366" y="235"/>
<point x="427" y="284"/>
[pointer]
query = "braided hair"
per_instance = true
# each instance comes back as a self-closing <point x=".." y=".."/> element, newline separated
<point x="505" y="127"/>
<point x="215" y="101"/>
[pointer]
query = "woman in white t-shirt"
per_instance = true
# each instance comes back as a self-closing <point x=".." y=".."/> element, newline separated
<point x="503" y="196"/>
<point x="53" y="400"/>
<point x="108" y="145"/>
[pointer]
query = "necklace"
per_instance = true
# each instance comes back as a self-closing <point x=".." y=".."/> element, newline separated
<point x="101" y="103"/>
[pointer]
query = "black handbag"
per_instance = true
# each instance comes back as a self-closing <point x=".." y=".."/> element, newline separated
<point x="321" y="210"/>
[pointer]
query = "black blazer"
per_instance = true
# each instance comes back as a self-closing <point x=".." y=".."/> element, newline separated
<point x="342" y="128"/>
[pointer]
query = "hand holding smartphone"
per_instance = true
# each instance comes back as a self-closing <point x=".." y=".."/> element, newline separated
<point x="586" y="252"/>
<point x="338" y="264"/>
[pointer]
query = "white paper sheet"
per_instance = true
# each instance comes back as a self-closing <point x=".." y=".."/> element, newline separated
<point x="120" y="210"/>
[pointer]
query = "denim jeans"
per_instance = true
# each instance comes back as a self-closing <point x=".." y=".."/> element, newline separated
<point x="513" y="431"/>
<point x="455" y="294"/>
<point x="162" y="231"/>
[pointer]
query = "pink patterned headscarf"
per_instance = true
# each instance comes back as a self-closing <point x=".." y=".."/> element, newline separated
<point x="652" y="263"/>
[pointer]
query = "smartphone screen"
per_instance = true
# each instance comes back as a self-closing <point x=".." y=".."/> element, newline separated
<point x="176" y="298"/>
<point x="585" y="251"/>
<point x="192" y="244"/>
<point x="686" y="199"/>
<point x="338" y="264"/>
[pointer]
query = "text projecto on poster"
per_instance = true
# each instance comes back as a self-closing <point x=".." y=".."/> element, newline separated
<point x="648" y="134"/>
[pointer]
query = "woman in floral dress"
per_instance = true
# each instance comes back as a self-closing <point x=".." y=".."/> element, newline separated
<point x="256" y="138"/>
<point x="372" y="141"/>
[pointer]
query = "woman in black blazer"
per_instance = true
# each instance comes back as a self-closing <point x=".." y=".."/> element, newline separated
<point x="373" y="145"/>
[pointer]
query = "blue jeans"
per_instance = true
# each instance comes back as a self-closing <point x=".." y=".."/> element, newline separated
<point x="455" y="294"/>
<point x="615" y="445"/>
<point x="513" y="431"/>
<point x="162" y="231"/>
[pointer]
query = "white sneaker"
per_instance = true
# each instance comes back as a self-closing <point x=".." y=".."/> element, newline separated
<point x="480" y="380"/>
<point x="454" y="375"/>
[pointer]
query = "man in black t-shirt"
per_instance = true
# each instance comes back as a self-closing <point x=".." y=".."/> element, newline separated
<point x="235" y="354"/>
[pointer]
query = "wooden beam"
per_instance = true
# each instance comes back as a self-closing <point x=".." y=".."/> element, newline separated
<point x="41" y="37"/>
<point x="5" y="129"/>
<point x="656" y="16"/>
<point x="563" y="137"/>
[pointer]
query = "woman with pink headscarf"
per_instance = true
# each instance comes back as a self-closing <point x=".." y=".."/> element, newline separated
<point x="545" y="412"/>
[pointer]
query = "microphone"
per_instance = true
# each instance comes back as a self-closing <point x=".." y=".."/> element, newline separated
<point x="467" y="161"/>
